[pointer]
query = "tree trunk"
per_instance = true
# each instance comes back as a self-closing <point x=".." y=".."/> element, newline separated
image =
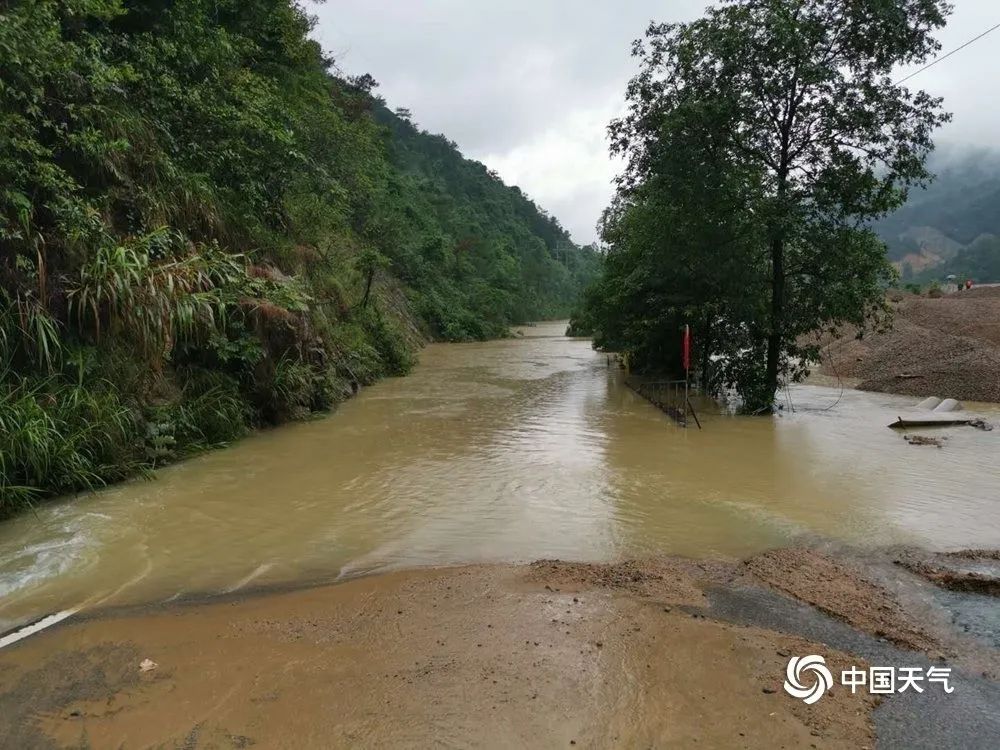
<point x="706" y="345"/>
<point x="776" y="335"/>
<point x="368" y="288"/>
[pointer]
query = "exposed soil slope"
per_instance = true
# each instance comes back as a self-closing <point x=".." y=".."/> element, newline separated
<point x="947" y="347"/>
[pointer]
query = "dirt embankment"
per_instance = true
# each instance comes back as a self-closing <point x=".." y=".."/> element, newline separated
<point x="971" y="570"/>
<point x="947" y="347"/>
<point x="553" y="654"/>
<point x="840" y="591"/>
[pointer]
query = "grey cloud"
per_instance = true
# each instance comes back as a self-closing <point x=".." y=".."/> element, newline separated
<point x="525" y="86"/>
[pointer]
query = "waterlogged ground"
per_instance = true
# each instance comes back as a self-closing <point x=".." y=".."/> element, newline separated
<point x="505" y="451"/>
<point x="661" y="653"/>
<point x="480" y="656"/>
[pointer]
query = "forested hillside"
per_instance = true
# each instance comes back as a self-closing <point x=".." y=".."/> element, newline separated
<point x="979" y="262"/>
<point x="959" y="209"/>
<point x="204" y="228"/>
<point x="478" y="254"/>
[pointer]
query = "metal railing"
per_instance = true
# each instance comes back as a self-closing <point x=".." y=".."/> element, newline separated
<point x="670" y="396"/>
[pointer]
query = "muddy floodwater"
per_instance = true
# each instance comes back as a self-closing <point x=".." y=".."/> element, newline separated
<point x="505" y="451"/>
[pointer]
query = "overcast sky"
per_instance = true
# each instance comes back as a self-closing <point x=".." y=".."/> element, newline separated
<point x="529" y="86"/>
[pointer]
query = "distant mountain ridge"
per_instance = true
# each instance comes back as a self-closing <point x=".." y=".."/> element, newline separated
<point x="958" y="214"/>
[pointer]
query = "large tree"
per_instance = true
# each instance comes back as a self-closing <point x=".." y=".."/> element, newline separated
<point x="797" y="95"/>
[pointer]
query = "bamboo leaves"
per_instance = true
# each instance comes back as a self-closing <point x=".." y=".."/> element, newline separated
<point x="122" y="291"/>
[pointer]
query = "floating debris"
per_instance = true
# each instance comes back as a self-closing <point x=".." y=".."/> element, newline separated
<point x="924" y="440"/>
<point x="928" y="421"/>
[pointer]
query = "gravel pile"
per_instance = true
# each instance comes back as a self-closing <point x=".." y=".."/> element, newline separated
<point x="947" y="347"/>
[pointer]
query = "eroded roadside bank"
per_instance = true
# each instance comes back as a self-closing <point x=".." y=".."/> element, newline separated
<point x="665" y="652"/>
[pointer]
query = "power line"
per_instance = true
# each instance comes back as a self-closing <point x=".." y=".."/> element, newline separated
<point x="945" y="57"/>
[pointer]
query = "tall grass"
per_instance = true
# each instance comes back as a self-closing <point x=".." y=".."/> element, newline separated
<point x="28" y="330"/>
<point x="211" y="412"/>
<point x="122" y="288"/>
<point x="58" y="437"/>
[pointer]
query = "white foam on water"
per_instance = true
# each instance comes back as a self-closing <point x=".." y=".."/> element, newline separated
<point x="40" y="562"/>
<point x="68" y="539"/>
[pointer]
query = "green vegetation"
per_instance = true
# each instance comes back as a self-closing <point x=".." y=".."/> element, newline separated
<point x="480" y="255"/>
<point x="204" y="229"/>
<point x="761" y="142"/>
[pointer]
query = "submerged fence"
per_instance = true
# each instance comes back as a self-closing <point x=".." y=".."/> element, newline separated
<point x="670" y="396"/>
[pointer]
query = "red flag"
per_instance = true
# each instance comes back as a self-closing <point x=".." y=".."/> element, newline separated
<point x="687" y="348"/>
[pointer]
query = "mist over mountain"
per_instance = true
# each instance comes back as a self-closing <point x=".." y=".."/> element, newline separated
<point x="952" y="225"/>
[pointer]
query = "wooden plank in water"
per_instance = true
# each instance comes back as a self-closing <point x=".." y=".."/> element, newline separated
<point x="904" y="424"/>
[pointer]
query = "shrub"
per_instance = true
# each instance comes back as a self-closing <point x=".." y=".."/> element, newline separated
<point x="394" y="352"/>
<point x="212" y="411"/>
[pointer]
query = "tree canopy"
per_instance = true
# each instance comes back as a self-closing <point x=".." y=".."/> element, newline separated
<point x="761" y="141"/>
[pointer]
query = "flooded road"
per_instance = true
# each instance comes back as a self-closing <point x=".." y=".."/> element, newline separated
<point x="504" y="451"/>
